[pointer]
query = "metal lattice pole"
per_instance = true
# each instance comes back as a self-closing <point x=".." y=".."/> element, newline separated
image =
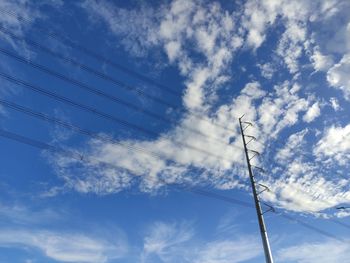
<point x="263" y="232"/>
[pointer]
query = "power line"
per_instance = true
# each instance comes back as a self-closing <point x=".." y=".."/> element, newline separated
<point x="103" y="94"/>
<point x="75" y="128"/>
<point x="86" y="68"/>
<point x="104" y="115"/>
<point x="78" y="129"/>
<point x="77" y="83"/>
<point x="97" y="73"/>
<point x="116" y="99"/>
<point x="97" y="136"/>
<point x="69" y="43"/>
<point x="219" y="197"/>
<point x="309" y="226"/>
<point x="105" y="60"/>
<point x="83" y="158"/>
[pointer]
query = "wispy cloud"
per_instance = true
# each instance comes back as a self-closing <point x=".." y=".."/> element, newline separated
<point x="174" y="242"/>
<point x="161" y="241"/>
<point x="22" y="227"/>
<point x="180" y="29"/>
<point x="63" y="247"/>
<point x="19" y="214"/>
<point x="325" y="252"/>
<point x="167" y="241"/>
<point x="225" y="251"/>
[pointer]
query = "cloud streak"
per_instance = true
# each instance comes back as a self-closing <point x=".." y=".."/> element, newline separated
<point x="63" y="247"/>
<point x="326" y="252"/>
<point x="174" y="242"/>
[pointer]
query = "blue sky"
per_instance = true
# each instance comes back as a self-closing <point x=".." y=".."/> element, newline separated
<point x="139" y="103"/>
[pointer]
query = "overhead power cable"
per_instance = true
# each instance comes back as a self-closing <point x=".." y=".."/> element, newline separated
<point x="102" y="138"/>
<point x="69" y="43"/>
<point x="102" y="75"/>
<point x="83" y="158"/>
<point x="103" y="94"/>
<point x="77" y="82"/>
<point x="105" y="60"/>
<point x="78" y="129"/>
<point x="309" y="226"/>
<point x="100" y="114"/>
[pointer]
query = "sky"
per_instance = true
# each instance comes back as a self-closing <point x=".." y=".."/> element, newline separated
<point x="120" y="140"/>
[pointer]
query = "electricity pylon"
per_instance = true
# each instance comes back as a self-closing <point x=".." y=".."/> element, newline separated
<point x="263" y="232"/>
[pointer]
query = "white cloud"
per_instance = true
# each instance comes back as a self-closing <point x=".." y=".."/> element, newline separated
<point x="302" y="185"/>
<point x="180" y="29"/>
<point x="20" y="214"/>
<point x="326" y="252"/>
<point x="180" y="23"/>
<point x="214" y="35"/>
<point x="255" y="19"/>
<point x="312" y="113"/>
<point x="14" y="12"/>
<point x="293" y="144"/>
<point x="173" y="49"/>
<point x="174" y="242"/>
<point x="343" y="213"/>
<point x="150" y="172"/>
<point x="338" y="75"/>
<point x="253" y="90"/>
<point x="64" y="247"/>
<point x="302" y="21"/>
<point x="335" y="144"/>
<point x="333" y="15"/>
<point x="225" y="251"/>
<point x="27" y="229"/>
<point x="334" y="103"/>
<point x="267" y="70"/>
<point x="18" y="16"/>
<point x="259" y="16"/>
<point x="321" y="62"/>
<point x="186" y="24"/>
<point x="281" y="109"/>
<point x="166" y="241"/>
<point x="291" y="44"/>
